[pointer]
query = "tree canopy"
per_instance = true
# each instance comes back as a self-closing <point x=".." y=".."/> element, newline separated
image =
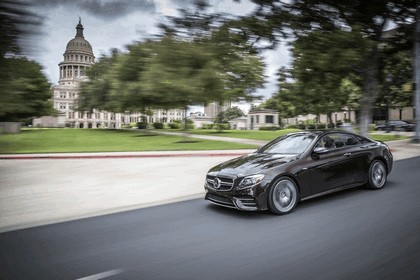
<point x="175" y="71"/>
<point x="229" y="114"/>
<point x="25" y="91"/>
<point x="337" y="40"/>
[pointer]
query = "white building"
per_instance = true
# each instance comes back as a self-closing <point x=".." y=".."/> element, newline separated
<point x="258" y="118"/>
<point x="78" y="57"/>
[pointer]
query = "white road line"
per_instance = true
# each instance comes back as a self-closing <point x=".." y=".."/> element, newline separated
<point x="102" y="275"/>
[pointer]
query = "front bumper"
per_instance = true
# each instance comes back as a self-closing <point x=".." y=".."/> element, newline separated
<point x="246" y="203"/>
<point x="251" y="199"/>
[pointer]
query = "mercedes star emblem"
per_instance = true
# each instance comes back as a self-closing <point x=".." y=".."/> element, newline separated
<point x="217" y="183"/>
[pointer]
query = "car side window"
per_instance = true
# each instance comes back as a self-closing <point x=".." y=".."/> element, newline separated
<point x="364" y="140"/>
<point x="325" y="142"/>
<point x="330" y="142"/>
<point x="350" y="140"/>
<point x="338" y="140"/>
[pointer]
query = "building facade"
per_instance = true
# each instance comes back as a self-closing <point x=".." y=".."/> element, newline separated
<point x="78" y="57"/>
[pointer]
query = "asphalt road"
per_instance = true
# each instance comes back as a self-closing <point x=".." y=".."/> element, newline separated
<point x="355" y="234"/>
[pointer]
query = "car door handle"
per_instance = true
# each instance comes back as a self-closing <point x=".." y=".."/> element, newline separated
<point x="347" y="154"/>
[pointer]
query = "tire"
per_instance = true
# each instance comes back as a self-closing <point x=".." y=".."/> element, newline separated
<point x="283" y="196"/>
<point x="377" y="175"/>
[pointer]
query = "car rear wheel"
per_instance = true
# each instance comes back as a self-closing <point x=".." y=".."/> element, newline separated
<point x="283" y="196"/>
<point x="377" y="175"/>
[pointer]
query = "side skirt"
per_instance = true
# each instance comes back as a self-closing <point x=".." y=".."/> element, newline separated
<point x="332" y="191"/>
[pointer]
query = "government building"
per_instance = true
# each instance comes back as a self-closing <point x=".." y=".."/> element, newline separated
<point x="78" y="57"/>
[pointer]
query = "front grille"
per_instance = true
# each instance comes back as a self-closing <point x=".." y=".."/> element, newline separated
<point x="225" y="184"/>
<point x="220" y="200"/>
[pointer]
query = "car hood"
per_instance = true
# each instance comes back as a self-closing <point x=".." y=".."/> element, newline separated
<point x="251" y="164"/>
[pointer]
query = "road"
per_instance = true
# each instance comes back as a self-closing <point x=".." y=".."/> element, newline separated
<point x="355" y="234"/>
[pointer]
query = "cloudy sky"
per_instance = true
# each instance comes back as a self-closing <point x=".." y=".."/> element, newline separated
<point x="116" y="23"/>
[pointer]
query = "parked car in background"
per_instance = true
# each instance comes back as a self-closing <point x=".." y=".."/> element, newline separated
<point x="296" y="167"/>
<point x="396" y="126"/>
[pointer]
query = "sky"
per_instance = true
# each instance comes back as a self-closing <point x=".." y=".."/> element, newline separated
<point x="112" y="24"/>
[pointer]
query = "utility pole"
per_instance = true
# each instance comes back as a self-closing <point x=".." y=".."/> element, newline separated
<point x="416" y="100"/>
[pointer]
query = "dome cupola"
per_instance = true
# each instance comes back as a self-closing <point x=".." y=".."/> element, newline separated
<point x="79" y="44"/>
<point x="78" y="57"/>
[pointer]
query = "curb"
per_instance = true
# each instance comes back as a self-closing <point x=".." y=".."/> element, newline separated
<point x="17" y="157"/>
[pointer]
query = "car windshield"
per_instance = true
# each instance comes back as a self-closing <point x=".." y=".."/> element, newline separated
<point x="289" y="144"/>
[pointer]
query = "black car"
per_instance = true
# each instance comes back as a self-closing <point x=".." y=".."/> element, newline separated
<point x="296" y="167"/>
<point x="395" y="126"/>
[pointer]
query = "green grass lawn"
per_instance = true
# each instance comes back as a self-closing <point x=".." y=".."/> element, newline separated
<point x="244" y="134"/>
<point x="270" y="135"/>
<point x="103" y="140"/>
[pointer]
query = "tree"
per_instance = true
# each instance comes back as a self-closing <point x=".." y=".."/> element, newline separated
<point x="360" y="24"/>
<point x="24" y="90"/>
<point x="229" y="114"/>
<point x="172" y="71"/>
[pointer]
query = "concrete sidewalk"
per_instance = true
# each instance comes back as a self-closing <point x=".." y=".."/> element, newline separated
<point x="49" y="188"/>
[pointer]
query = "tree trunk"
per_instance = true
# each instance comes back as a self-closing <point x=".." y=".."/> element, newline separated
<point x="367" y="100"/>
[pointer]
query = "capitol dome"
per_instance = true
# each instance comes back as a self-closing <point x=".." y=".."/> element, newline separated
<point x="79" y="44"/>
<point x="78" y="57"/>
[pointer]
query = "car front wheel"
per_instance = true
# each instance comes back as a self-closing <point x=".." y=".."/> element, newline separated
<point x="377" y="175"/>
<point x="283" y="196"/>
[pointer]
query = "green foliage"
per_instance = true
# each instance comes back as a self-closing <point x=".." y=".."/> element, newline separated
<point x="214" y="64"/>
<point x="174" y="125"/>
<point x="189" y="123"/>
<point x="221" y="126"/>
<point x="270" y="128"/>
<point x="229" y="114"/>
<point x="291" y="126"/>
<point x="16" y="21"/>
<point x="207" y="126"/>
<point x="333" y="41"/>
<point x="397" y="72"/>
<point x="158" y="125"/>
<point x="25" y="91"/>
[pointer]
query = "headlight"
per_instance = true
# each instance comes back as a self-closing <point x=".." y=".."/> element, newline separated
<point x="250" y="181"/>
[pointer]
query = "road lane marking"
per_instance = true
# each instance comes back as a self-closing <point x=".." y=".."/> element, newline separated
<point x="102" y="275"/>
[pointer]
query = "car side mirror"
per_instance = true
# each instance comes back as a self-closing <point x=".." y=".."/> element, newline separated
<point x="318" y="151"/>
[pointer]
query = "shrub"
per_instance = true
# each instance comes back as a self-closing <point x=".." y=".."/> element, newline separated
<point x="158" y="125"/>
<point x="301" y="126"/>
<point x="207" y="126"/>
<point x="142" y="125"/>
<point x="270" y="128"/>
<point x="221" y="126"/>
<point x="190" y="124"/>
<point x="321" y="126"/>
<point x="310" y="126"/>
<point x="291" y="126"/>
<point x="174" y="125"/>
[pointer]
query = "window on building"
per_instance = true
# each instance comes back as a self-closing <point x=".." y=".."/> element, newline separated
<point x="269" y="119"/>
<point x="258" y="119"/>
